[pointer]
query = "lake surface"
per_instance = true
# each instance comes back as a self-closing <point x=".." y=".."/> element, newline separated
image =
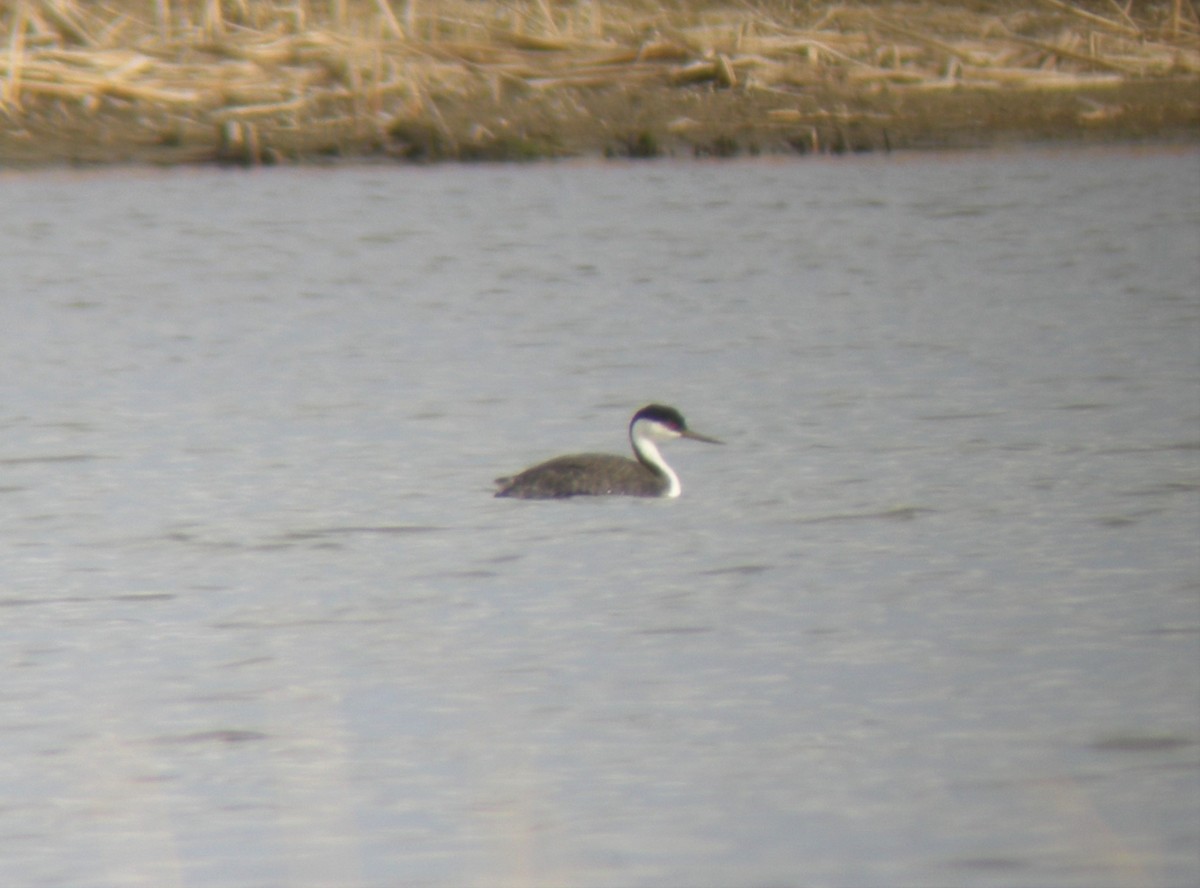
<point x="931" y="617"/>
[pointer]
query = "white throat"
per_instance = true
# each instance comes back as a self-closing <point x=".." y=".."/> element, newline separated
<point x="643" y="440"/>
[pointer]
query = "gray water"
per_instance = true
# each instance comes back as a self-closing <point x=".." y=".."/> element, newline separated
<point x="931" y="617"/>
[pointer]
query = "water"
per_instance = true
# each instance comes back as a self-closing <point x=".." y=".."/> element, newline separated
<point x="931" y="616"/>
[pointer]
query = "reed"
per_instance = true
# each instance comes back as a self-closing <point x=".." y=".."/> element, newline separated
<point x="378" y="67"/>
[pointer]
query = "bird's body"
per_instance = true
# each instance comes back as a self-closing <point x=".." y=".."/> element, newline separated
<point x="585" y="474"/>
<point x="604" y="474"/>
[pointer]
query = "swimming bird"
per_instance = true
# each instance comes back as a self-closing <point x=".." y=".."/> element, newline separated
<point x="603" y="474"/>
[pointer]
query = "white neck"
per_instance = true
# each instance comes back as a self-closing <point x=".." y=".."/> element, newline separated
<point x="645" y="447"/>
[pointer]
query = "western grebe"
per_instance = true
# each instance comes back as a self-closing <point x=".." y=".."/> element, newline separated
<point x="602" y="474"/>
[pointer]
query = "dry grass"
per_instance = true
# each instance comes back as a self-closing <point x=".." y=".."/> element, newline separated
<point x="374" y="67"/>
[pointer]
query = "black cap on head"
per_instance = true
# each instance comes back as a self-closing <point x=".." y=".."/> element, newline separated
<point x="668" y="416"/>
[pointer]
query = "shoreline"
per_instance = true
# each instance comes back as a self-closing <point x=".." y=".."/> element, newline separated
<point x="161" y="84"/>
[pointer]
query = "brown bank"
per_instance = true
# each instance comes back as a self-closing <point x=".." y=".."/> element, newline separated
<point x="199" y="81"/>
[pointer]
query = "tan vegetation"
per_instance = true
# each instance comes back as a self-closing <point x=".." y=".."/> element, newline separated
<point x="250" y="81"/>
